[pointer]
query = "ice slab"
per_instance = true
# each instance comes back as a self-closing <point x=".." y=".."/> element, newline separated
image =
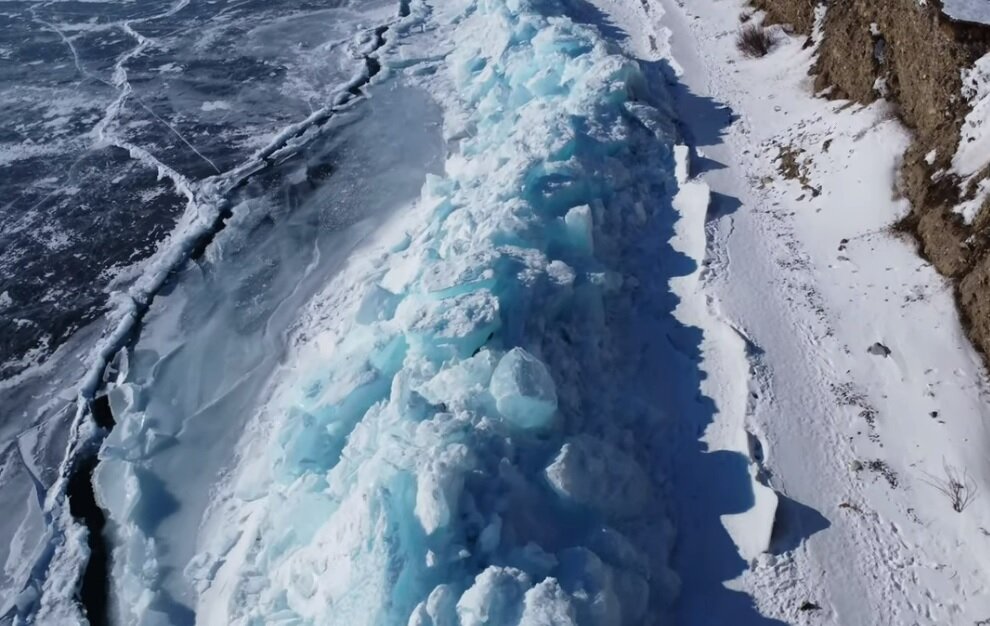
<point x="523" y="389"/>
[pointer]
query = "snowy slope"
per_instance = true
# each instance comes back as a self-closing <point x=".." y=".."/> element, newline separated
<point x="806" y="278"/>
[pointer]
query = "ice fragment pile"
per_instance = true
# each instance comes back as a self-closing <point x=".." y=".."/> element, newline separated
<point x="467" y="445"/>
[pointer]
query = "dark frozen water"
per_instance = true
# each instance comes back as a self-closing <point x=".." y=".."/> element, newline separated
<point x="119" y="123"/>
<point x="112" y="114"/>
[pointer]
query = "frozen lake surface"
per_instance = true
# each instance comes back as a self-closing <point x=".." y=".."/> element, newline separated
<point x="114" y="112"/>
<point x="464" y="313"/>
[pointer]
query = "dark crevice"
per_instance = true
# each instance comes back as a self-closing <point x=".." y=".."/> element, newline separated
<point x="356" y="90"/>
<point x="373" y="64"/>
<point x="199" y="248"/>
<point x="94" y="593"/>
<point x="100" y="409"/>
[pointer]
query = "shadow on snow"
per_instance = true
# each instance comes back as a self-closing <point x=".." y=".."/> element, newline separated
<point x="706" y="485"/>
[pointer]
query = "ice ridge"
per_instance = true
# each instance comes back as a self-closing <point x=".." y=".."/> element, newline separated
<point x="475" y="441"/>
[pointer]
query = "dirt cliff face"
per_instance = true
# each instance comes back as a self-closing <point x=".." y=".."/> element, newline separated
<point x="913" y="55"/>
<point x="799" y="14"/>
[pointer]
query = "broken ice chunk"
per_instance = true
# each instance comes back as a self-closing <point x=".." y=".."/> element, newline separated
<point x="547" y="604"/>
<point x="378" y="305"/>
<point x="459" y="384"/>
<point x="596" y="474"/>
<point x="523" y="389"/>
<point x="590" y="581"/>
<point x="579" y="228"/>
<point x="495" y="598"/>
<point x="561" y="273"/>
<point x="438" y="485"/>
<point x="463" y="274"/>
<point x="437" y="610"/>
<point x="455" y="326"/>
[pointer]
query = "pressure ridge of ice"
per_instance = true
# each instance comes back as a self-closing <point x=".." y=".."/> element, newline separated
<point x="468" y="441"/>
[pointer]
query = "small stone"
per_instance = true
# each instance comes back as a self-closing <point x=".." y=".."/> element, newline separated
<point x="878" y="349"/>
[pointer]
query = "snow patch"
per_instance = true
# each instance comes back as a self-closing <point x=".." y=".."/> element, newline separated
<point x="973" y="154"/>
<point x="215" y="105"/>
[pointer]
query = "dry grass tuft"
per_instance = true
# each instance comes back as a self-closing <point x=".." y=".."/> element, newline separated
<point x="754" y="40"/>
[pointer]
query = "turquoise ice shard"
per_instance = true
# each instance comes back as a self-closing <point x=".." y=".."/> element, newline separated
<point x="523" y="389"/>
<point x="580" y="228"/>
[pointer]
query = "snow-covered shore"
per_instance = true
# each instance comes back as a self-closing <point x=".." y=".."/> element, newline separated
<point x="804" y="275"/>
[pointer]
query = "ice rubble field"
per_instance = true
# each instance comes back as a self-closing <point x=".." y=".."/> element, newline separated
<point x="474" y="439"/>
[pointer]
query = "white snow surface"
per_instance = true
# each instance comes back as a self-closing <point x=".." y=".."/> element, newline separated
<point x="799" y="280"/>
<point x="977" y="11"/>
